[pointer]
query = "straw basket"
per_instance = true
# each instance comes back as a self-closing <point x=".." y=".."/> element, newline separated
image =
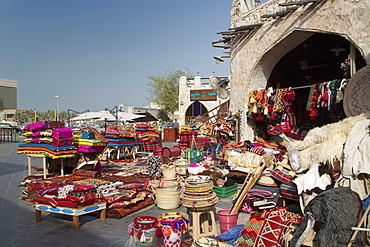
<point x="169" y="172"/>
<point x="167" y="198"/>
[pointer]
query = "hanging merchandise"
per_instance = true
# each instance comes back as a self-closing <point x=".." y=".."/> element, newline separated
<point x="333" y="85"/>
<point x="223" y="130"/>
<point x="312" y="101"/>
<point x="172" y="225"/>
<point x="278" y="104"/>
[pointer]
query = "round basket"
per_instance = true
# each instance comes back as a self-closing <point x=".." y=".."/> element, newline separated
<point x="202" y="203"/>
<point x="145" y="222"/>
<point x="167" y="198"/>
<point x="208" y="242"/>
<point x="169" y="172"/>
<point x="198" y="180"/>
<point x="356" y="98"/>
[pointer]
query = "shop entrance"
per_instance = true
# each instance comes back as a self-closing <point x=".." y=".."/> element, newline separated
<point x="319" y="59"/>
<point x="193" y="111"/>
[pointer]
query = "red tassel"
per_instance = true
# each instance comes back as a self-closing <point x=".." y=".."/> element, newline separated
<point x="159" y="233"/>
<point x="139" y="233"/>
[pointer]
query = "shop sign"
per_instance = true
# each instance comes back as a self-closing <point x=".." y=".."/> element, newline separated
<point x="203" y="95"/>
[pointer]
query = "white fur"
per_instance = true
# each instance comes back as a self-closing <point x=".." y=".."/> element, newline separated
<point x="324" y="144"/>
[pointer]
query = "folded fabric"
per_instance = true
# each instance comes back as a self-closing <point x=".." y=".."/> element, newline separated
<point x="87" y="173"/>
<point x="80" y="200"/>
<point x="289" y="191"/>
<point x="260" y="196"/>
<point x="283" y="175"/>
<point x="118" y="213"/>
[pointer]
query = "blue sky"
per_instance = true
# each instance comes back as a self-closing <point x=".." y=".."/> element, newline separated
<point x="98" y="54"/>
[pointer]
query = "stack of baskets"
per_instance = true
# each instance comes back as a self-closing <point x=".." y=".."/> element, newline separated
<point x="198" y="194"/>
<point x="168" y="193"/>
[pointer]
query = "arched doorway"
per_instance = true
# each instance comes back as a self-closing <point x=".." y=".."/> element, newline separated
<point x="194" y="110"/>
<point x="320" y="58"/>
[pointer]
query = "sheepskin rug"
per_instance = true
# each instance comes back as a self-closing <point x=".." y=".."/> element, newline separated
<point x="324" y="144"/>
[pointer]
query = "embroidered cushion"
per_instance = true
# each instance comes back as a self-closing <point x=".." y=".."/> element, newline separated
<point x="248" y="235"/>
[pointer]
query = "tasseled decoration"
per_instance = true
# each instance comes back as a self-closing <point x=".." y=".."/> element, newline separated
<point x="142" y="237"/>
<point x="159" y="233"/>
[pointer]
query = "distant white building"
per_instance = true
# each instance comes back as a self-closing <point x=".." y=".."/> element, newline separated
<point x="151" y="108"/>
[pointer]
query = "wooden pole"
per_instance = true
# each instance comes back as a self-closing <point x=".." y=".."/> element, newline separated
<point x="359" y="225"/>
<point x="247" y="186"/>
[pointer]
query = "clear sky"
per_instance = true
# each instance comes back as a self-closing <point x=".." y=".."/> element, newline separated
<point x="97" y="54"/>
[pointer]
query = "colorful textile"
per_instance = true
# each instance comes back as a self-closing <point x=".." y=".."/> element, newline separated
<point x="289" y="191"/>
<point x="89" y="142"/>
<point x="139" y="178"/>
<point x="272" y="225"/>
<point x="120" y="196"/>
<point x="47" y="149"/>
<point x="62" y="133"/>
<point x="78" y="200"/>
<point x="87" y="173"/>
<point x="118" y="213"/>
<point x="312" y="101"/>
<point x="250" y="231"/>
<point x="283" y="175"/>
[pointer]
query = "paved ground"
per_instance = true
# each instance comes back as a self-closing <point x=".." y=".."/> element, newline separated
<point x="19" y="228"/>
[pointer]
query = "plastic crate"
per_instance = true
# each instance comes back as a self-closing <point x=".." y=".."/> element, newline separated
<point x="225" y="191"/>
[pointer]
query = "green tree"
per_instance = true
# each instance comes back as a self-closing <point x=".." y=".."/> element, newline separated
<point x="25" y="116"/>
<point x="162" y="115"/>
<point x="163" y="90"/>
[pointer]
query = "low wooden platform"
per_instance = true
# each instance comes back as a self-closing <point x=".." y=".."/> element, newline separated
<point x="74" y="212"/>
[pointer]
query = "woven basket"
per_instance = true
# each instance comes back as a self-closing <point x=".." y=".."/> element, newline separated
<point x="169" y="172"/>
<point x="198" y="181"/>
<point x="167" y="198"/>
<point x="182" y="166"/>
<point x="199" y="203"/>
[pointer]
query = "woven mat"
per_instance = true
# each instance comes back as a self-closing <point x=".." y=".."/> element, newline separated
<point x="356" y="97"/>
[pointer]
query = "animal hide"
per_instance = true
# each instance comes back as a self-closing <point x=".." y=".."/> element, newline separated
<point x="324" y="144"/>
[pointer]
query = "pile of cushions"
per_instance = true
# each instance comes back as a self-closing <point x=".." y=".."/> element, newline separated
<point x="148" y="137"/>
<point x="268" y="228"/>
<point x="70" y="196"/>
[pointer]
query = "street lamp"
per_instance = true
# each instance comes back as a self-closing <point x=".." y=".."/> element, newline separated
<point x="57" y="97"/>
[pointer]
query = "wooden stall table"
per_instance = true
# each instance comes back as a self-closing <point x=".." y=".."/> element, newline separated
<point x="44" y="164"/>
<point x="74" y="212"/>
<point x="124" y="150"/>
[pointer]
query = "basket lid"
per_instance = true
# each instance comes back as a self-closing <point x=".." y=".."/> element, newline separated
<point x="145" y="222"/>
<point x="356" y="98"/>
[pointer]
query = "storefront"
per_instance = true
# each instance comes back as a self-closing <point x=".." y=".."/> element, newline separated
<point x="287" y="44"/>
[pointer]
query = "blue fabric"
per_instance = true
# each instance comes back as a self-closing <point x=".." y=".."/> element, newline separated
<point x="231" y="235"/>
<point x="365" y="203"/>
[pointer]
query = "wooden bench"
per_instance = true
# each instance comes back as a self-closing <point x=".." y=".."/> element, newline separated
<point x="74" y="212"/>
